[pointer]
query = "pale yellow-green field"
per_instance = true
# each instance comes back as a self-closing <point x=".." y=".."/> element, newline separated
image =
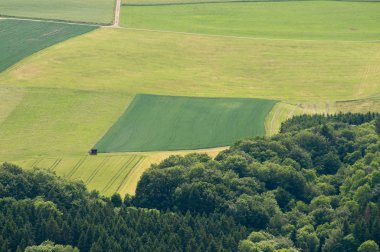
<point x="107" y="173"/>
<point x="133" y="61"/>
<point x="89" y="11"/>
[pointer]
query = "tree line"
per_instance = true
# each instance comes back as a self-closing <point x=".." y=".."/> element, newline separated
<point x="313" y="187"/>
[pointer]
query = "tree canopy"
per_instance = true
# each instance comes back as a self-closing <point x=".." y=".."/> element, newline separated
<point x="313" y="187"/>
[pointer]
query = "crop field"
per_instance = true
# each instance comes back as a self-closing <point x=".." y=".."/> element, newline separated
<point x="64" y="89"/>
<point x="321" y="20"/>
<point x="171" y="2"/>
<point x="154" y="123"/>
<point x="55" y="122"/>
<point x="107" y="174"/>
<point x="19" y="39"/>
<point x="91" y="11"/>
<point x="208" y="66"/>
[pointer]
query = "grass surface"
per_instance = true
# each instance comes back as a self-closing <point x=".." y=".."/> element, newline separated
<point x="360" y="105"/>
<point x="55" y="104"/>
<point x="55" y="122"/>
<point x="318" y="20"/>
<point x="190" y="65"/>
<point x="19" y="39"/>
<point x="105" y="173"/>
<point x="93" y="11"/>
<point x="171" y="2"/>
<point x="154" y="123"/>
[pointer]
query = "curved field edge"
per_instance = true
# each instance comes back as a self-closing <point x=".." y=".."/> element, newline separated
<point x="321" y="20"/>
<point x="106" y="173"/>
<point x="21" y="38"/>
<point x="88" y="11"/>
<point x="283" y="111"/>
<point x="158" y="123"/>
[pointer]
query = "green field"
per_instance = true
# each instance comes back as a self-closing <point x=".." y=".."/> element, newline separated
<point x="317" y="20"/>
<point x="56" y="122"/>
<point x="190" y="65"/>
<point x="19" y="39"/>
<point x="170" y="2"/>
<point x="173" y="2"/>
<point x="154" y="123"/>
<point x="56" y="103"/>
<point x="92" y="11"/>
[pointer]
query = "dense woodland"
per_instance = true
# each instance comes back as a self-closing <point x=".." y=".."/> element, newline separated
<point x="313" y="187"/>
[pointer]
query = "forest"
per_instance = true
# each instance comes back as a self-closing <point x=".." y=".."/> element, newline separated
<point x="313" y="187"/>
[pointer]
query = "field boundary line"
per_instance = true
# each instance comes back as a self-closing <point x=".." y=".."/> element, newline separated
<point x="3" y="17"/>
<point x="242" y="37"/>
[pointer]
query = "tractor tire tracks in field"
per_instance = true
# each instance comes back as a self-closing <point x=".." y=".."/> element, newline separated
<point x="119" y="173"/>
<point x="128" y="173"/>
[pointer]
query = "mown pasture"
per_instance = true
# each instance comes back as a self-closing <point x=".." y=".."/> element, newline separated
<point x="90" y="11"/>
<point x="55" y="122"/>
<point x="316" y="20"/>
<point x="154" y="123"/>
<point x="19" y="39"/>
<point x="173" y="2"/>
<point x="201" y="65"/>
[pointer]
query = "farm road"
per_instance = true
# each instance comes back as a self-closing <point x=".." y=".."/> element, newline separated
<point x="117" y="14"/>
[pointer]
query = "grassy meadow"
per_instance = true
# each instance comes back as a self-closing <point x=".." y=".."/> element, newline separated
<point x="89" y="11"/>
<point x="316" y="20"/>
<point x="157" y="123"/>
<point x="55" y="122"/>
<point x="62" y="88"/>
<point x="197" y="65"/>
<point x="20" y="39"/>
<point x="177" y="2"/>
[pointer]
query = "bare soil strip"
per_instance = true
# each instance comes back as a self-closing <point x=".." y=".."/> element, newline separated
<point x="117" y="14"/>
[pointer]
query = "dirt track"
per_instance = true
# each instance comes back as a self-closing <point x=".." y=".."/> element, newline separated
<point x="117" y="14"/>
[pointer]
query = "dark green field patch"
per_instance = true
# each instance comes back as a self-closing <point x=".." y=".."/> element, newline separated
<point x="19" y="38"/>
<point x="153" y="123"/>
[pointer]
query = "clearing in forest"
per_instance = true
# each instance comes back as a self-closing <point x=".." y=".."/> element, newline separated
<point x="154" y="123"/>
